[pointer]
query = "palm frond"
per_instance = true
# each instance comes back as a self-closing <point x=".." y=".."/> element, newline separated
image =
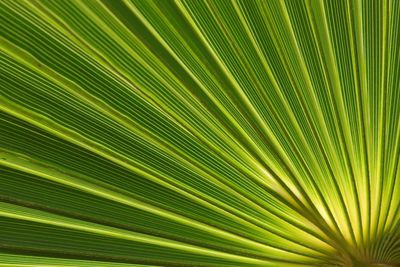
<point x="199" y="133"/>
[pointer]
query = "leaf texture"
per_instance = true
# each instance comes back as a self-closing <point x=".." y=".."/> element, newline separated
<point x="199" y="133"/>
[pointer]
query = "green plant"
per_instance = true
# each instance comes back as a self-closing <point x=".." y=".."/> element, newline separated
<point x="199" y="133"/>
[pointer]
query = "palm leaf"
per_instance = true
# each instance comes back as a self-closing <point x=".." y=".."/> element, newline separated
<point x="199" y="133"/>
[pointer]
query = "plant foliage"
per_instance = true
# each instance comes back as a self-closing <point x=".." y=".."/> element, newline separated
<point x="199" y="132"/>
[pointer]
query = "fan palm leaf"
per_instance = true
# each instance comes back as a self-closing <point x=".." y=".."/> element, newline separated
<point x="199" y="133"/>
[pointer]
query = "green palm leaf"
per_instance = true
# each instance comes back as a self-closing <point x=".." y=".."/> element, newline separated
<point x="199" y="133"/>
